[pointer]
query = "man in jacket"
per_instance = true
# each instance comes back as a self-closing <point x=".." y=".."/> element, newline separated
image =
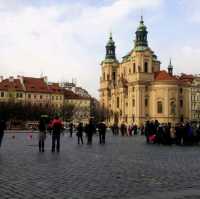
<point x="57" y="127"/>
<point x="102" y="132"/>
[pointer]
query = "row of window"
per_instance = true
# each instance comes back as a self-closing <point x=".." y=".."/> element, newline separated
<point x="195" y="97"/>
<point x="18" y="95"/>
<point x="43" y="97"/>
<point x="159" y="105"/>
<point x="196" y="116"/>
<point x="146" y="70"/>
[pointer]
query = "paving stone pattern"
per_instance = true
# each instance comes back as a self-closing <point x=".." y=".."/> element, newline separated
<point x="124" y="168"/>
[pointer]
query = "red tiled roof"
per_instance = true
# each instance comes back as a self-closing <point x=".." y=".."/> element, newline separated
<point x="163" y="75"/>
<point x="186" y="77"/>
<point x="35" y="85"/>
<point x="13" y="84"/>
<point x="55" y="88"/>
<point x="71" y="95"/>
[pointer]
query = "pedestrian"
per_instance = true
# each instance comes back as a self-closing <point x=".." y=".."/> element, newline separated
<point x="90" y="130"/>
<point x="57" y="128"/>
<point x="71" y="128"/>
<point x="80" y="133"/>
<point x="2" y="129"/>
<point x="123" y="129"/>
<point x="42" y="134"/>
<point x="102" y="132"/>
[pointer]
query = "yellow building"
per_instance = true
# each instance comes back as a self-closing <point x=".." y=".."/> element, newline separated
<point x="56" y="95"/>
<point x="136" y="90"/>
<point x="81" y="106"/>
<point x="11" y="90"/>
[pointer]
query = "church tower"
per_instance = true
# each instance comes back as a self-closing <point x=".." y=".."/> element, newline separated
<point x="170" y="68"/>
<point x="108" y="78"/>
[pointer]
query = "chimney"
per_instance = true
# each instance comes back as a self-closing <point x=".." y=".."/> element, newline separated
<point x="11" y="79"/>
<point x="45" y="79"/>
<point x="1" y="78"/>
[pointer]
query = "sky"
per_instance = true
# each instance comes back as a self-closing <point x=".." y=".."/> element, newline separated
<point x="65" y="39"/>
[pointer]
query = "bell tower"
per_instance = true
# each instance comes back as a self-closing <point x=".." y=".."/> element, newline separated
<point x="108" y="74"/>
<point x="141" y="35"/>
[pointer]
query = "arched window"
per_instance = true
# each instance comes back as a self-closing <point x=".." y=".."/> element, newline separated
<point x="146" y="67"/>
<point x="159" y="107"/>
<point x="172" y="108"/>
<point x="133" y="67"/>
<point x="113" y="76"/>
<point x="104" y="76"/>
<point x="117" y="102"/>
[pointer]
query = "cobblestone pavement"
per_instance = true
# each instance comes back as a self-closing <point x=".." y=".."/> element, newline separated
<point x="124" y="168"/>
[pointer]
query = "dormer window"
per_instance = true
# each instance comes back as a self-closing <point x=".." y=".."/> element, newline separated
<point x="146" y="67"/>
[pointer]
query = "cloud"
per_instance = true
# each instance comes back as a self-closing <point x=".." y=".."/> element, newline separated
<point x="63" y="41"/>
<point x="192" y="8"/>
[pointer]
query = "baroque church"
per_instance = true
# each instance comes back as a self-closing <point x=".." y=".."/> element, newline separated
<point x="136" y="89"/>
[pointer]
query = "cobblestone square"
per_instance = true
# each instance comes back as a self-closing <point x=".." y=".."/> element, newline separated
<point x="124" y="168"/>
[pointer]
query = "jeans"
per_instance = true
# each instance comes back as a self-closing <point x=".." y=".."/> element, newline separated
<point x="56" y="142"/>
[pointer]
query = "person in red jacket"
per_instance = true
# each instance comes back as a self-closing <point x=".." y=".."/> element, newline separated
<point x="57" y="127"/>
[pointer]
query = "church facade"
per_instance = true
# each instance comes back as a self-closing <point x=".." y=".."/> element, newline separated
<point x="136" y="89"/>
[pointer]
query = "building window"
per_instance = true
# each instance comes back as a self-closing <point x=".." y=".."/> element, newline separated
<point x="2" y="94"/>
<point x="146" y="67"/>
<point x="52" y="97"/>
<point x="56" y="97"/>
<point x="146" y="102"/>
<point x="29" y="96"/>
<point x="172" y="108"/>
<point x="108" y="77"/>
<point x="117" y="102"/>
<point x="181" y="103"/>
<point x="133" y="89"/>
<point x="40" y="96"/>
<point x="35" y="96"/>
<point x="133" y="102"/>
<point x="113" y="76"/>
<point x="181" y="90"/>
<point x="133" y="67"/>
<point x="159" y="107"/>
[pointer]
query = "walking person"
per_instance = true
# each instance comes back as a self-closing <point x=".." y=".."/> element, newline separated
<point x="71" y="128"/>
<point x="57" y="128"/>
<point x="102" y="133"/>
<point x="80" y="133"/>
<point x="2" y="129"/>
<point x="90" y="130"/>
<point x="42" y="134"/>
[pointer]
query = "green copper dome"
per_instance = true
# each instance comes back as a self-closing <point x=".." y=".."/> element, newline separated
<point x="141" y="26"/>
<point x="141" y="36"/>
<point x="110" y="49"/>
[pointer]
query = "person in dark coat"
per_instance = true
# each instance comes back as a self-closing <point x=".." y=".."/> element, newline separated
<point x="102" y="133"/>
<point x="80" y="133"/>
<point x="42" y="134"/>
<point x="57" y="127"/>
<point x="2" y="129"/>
<point x="71" y="127"/>
<point x="90" y="130"/>
<point x="123" y="129"/>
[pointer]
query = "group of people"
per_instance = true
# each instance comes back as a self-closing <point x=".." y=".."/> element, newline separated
<point x="127" y="130"/>
<point x="56" y="127"/>
<point x="180" y="134"/>
<point x="89" y="129"/>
